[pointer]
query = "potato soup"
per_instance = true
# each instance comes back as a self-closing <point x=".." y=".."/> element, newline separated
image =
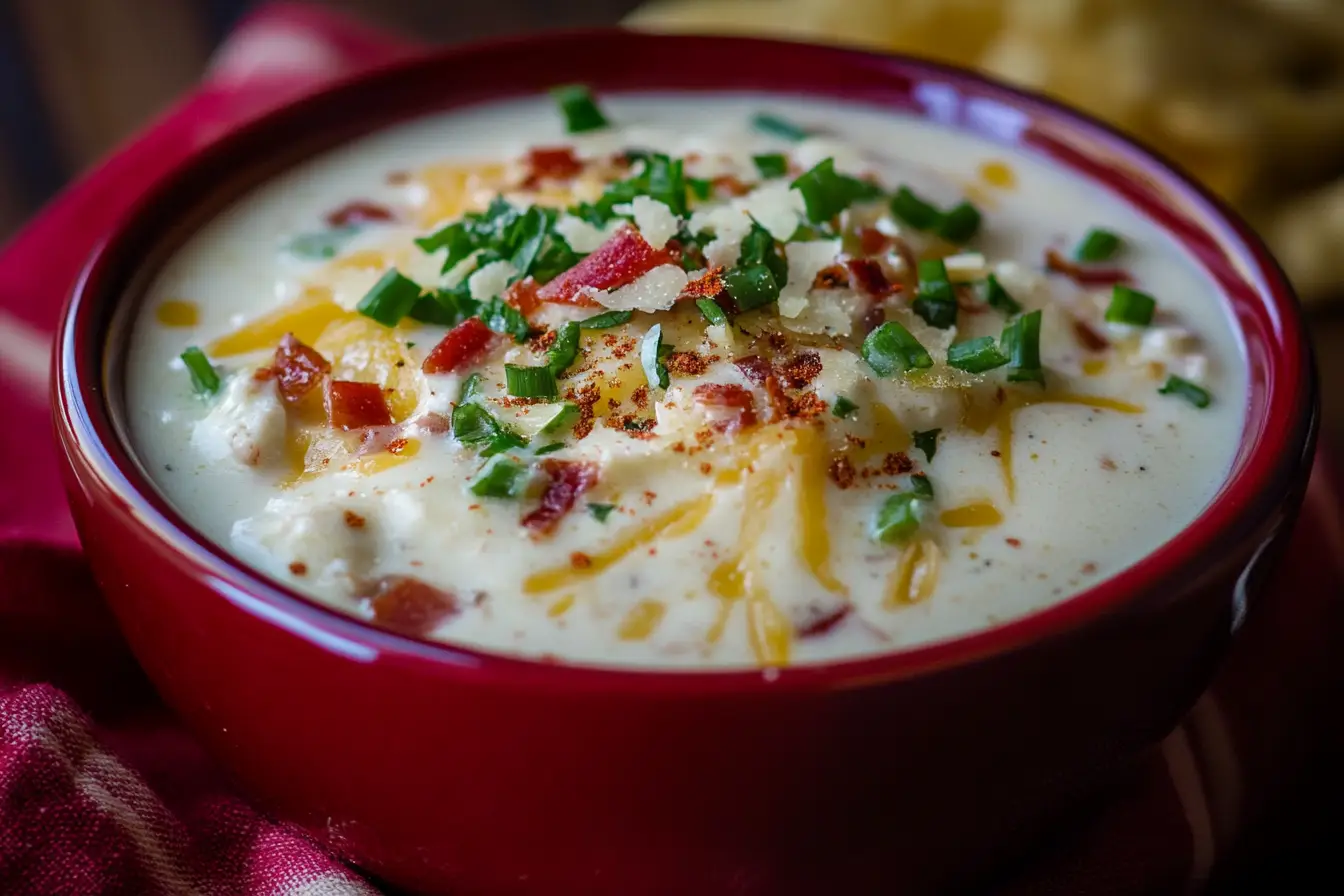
<point x="684" y="381"/>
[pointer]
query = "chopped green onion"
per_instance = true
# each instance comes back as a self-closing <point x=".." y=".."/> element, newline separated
<point x="913" y="210"/>
<point x="529" y="234"/>
<point x="564" y="349"/>
<point x="774" y="164"/>
<point x="760" y="247"/>
<point x="701" y="188"/>
<point x="445" y="307"/>
<point x="651" y="353"/>
<point x="567" y="414"/>
<point x="321" y="244"/>
<point x="600" y="512"/>
<point x="976" y="355"/>
<point x="502" y="317"/>
<point x="891" y="349"/>
<point x="1129" y="306"/>
<point x="530" y="382"/>
<point x="711" y="311"/>
<point x="390" y="299"/>
<point x="843" y="407"/>
<point x="998" y="298"/>
<point x="827" y="192"/>
<point x="474" y="425"/>
<point x="927" y="441"/>
<point x="579" y="108"/>
<point x="1022" y="344"/>
<point x="471" y="389"/>
<point x="501" y="477"/>
<point x="606" y="320"/>
<point x="751" y="286"/>
<point x="1196" y="395"/>
<point x="507" y="440"/>
<point x="898" y="518"/>
<point x="555" y="258"/>
<point x="1097" y="245"/>
<point x="959" y="224"/>
<point x="935" y="300"/>
<point x="204" y="379"/>
<point x="778" y="127"/>
<point x="548" y="449"/>
<point x="921" y="486"/>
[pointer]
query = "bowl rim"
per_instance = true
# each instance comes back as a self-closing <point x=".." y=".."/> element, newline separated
<point x="1245" y="505"/>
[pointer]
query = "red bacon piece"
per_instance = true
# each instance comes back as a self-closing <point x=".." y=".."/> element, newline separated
<point x="568" y="480"/>
<point x="873" y="241"/>
<point x="779" y="399"/>
<point x="352" y="405"/>
<point x="755" y="368"/>
<point x="298" y="368"/>
<point x="409" y="606"/>
<point x="820" y="620"/>
<point x="551" y="163"/>
<point x="522" y="294"/>
<point x="733" y="407"/>
<point x="867" y="276"/>
<point x="462" y="345"/>
<point x="620" y="260"/>
<point x="1084" y="275"/>
<point x="728" y="185"/>
<point x="1089" y="338"/>
<point x="359" y="213"/>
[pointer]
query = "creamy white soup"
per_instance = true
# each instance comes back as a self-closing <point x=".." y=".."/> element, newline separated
<point x="672" y="381"/>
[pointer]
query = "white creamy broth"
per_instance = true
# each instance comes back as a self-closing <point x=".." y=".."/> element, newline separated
<point x="705" y="534"/>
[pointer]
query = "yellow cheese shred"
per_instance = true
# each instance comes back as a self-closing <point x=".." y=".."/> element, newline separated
<point x="971" y="516"/>
<point x="641" y="620"/>
<point x="916" y="575"/>
<point x="814" y="533"/>
<point x="306" y="317"/>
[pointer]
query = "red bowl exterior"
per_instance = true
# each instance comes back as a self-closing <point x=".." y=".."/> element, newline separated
<point x="448" y="770"/>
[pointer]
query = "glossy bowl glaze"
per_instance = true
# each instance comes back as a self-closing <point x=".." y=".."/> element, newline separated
<point x="448" y="770"/>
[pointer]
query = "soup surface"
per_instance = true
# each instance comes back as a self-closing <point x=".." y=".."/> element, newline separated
<point x="727" y="381"/>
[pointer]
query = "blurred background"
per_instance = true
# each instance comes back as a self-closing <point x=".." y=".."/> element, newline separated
<point x="1247" y="94"/>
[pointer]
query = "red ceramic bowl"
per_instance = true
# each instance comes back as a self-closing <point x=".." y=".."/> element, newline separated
<point x="456" y="771"/>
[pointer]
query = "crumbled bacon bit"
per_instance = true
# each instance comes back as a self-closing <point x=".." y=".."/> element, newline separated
<point x="818" y="620"/>
<point x="706" y="468"/>
<point x="435" y="424"/>
<point x="298" y="369"/>
<point x="1108" y="465"/>
<point x="410" y="606"/>
<point x="835" y="276"/>
<point x="354" y="520"/>
<point x="359" y="212"/>
<point x="778" y="341"/>
<point x="728" y="185"/>
<point x="1089" y="338"/>
<point x="755" y="368"/>
<point x="1013" y="542"/>
<point x="867" y="277"/>
<point x="706" y="286"/>
<point x="557" y="163"/>
<point x="873" y="241"/>
<point x="568" y="480"/>
<point x="897" y="463"/>
<point x="522" y="294"/>
<point x="640" y="397"/>
<point x="623" y="258"/>
<point x="779" y="401"/>
<point x="353" y="405"/>
<point x="736" y="402"/>
<point x="1089" y="568"/>
<point x="842" y="471"/>
<point x="262" y="374"/>
<point x="464" y="344"/>
<point x="801" y="369"/>
<point x="688" y="363"/>
<point x="298" y="568"/>
<point x="1084" y="275"/>
<point x="580" y="560"/>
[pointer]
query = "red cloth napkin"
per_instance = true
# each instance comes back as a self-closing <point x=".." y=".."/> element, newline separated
<point x="102" y="792"/>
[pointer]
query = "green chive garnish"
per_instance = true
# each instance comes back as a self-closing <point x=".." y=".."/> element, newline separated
<point x="998" y="298"/>
<point x="548" y="449"/>
<point x="579" y="108"/>
<point x="567" y="414"/>
<point x="474" y="425"/>
<point x="774" y="164"/>
<point x="606" y="320"/>
<point x="921" y="486"/>
<point x="827" y="192"/>
<point x="891" y="349"/>
<point x="778" y="127"/>
<point x="1129" y="306"/>
<point x="935" y="300"/>
<point x="976" y="355"/>
<point x="843" y="407"/>
<point x="390" y="299"/>
<point x="471" y="388"/>
<point x="320" y="244"/>
<point x="711" y="311"/>
<point x="501" y="477"/>
<point x="1022" y="344"/>
<point x="1196" y="395"/>
<point x="910" y="208"/>
<point x="502" y="317"/>
<point x="701" y="188"/>
<point x="959" y="224"/>
<point x="752" y="286"/>
<point x="530" y="382"/>
<point x="600" y="512"/>
<point x="204" y="379"/>
<point x="651" y="353"/>
<point x="564" y="349"/>
<point x="1097" y="245"/>
<point x="927" y="441"/>
<point x="898" y="518"/>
